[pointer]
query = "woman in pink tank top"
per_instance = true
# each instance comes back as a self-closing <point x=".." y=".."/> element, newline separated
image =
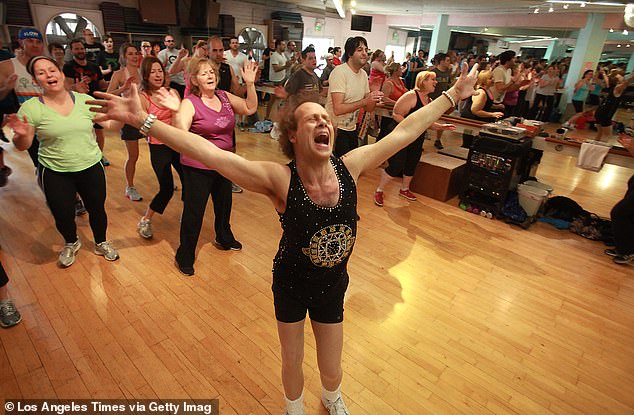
<point x="162" y="157"/>
<point x="209" y="113"/>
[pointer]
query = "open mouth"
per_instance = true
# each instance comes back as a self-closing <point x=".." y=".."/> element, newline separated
<point x="322" y="139"/>
<point x="52" y="82"/>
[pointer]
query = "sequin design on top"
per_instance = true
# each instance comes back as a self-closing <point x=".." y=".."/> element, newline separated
<point x="329" y="246"/>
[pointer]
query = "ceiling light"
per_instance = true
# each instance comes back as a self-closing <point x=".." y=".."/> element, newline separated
<point x="611" y="30"/>
<point x="625" y="32"/>
<point x="486" y="29"/>
<point x="583" y="5"/>
<point x="353" y="11"/>
<point x="550" y="9"/>
<point x="536" y="10"/>
<point x="592" y="3"/>
<point x="627" y="46"/>
<point x="353" y="3"/>
<point x="566" y="6"/>
<point x="339" y="8"/>
<point x="618" y="46"/>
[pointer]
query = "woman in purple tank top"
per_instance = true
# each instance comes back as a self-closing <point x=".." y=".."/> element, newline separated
<point x="209" y="113"/>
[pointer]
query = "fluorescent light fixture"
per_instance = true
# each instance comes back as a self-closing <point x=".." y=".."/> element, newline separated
<point x="583" y="3"/>
<point x="536" y="10"/>
<point x="625" y="32"/>
<point x="550" y="9"/>
<point x="627" y="46"/>
<point x="566" y="5"/>
<point x="353" y="11"/>
<point x="339" y="8"/>
<point x="611" y="30"/>
<point x="353" y="3"/>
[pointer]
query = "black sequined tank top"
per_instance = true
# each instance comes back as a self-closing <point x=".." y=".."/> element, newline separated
<point x="317" y="241"/>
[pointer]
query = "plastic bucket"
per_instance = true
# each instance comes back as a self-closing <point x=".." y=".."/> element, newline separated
<point x="539" y="185"/>
<point x="531" y="198"/>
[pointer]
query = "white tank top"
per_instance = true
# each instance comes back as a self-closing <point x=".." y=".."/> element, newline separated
<point x="25" y="87"/>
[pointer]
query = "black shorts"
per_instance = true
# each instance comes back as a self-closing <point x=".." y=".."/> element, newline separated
<point x="578" y="106"/>
<point x="603" y="117"/>
<point x="129" y="133"/>
<point x="327" y="309"/>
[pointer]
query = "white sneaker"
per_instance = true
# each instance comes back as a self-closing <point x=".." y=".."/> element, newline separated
<point x="106" y="250"/>
<point x="132" y="194"/>
<point x="336" y="407"/>
<point x="67" y="255"/>
<point x="145" y="228"/>
<point x="275" y="132"/>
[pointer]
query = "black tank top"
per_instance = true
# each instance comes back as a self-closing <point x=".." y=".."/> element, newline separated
<point x="317" y="241"/>
<point x="419" y="105"/>
<point x="225" y="77"/>
<point x="611" y="103"/>
<point x="488" y="107"/>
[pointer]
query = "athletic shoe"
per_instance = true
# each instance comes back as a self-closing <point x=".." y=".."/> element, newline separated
<point x="337" y="407"/>
<point x="378" y="198"/>
<point x="188" y="271"/>
<point x="67" y="255"/>
<point x="5" y="172"/>
<point x="623" y="259"/>
<point x="145" y="228"/>
<point x="438" y="145"/>
<point x="106" y="250"/>
<point x="9" y="315"/>
<point x="235" y="188"/>
<point x="80" y="209"/>
<point x="132" y="194"/>
<point x="611" y="252"/>
<point x="407" y="194"/>
<point x="231" y="246"/>
<point x="105" y="161"/>
<point x="275" y="132"/>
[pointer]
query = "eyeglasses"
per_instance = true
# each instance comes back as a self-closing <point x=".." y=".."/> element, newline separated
<point x="145" y="46"/>
<point x="170" y="41"/>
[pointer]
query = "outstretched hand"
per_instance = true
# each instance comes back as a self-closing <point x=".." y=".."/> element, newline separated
<point x="249" y="71"/>
<point x="465" y="84"/>
<point x="20" y="127"/>
<point x="167" y="100"/>
<point x="127" y="110"/>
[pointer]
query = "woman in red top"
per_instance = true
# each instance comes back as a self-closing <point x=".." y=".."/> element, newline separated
<point x="377" y="67"/>
<point x="162" y="157"/>
<point x="393" y="88"/>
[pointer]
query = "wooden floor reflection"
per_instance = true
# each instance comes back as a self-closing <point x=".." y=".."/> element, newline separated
<point x="447" y="312"/>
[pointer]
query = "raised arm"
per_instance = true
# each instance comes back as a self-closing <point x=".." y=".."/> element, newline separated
<point x="23" y="132"/>
<point x="248" y="105"/>
<point x="367" y="157"/>
<point x="268" y="178"/>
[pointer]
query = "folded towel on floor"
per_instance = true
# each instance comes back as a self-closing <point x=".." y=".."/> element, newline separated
<point x="591" y="155"/>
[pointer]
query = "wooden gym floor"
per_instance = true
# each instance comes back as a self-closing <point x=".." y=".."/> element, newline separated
<point x="447" y="312"/>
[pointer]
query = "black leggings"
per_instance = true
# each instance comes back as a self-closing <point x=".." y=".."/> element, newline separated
<point x="548" y="101"/>
<point x="163" y="158"/>
<point x="4" y="278"/>
<point x="198" y="184"/>
<point x="405" y="161"/>
<point x="60" y="189"/>
<point x="622" y="216"/>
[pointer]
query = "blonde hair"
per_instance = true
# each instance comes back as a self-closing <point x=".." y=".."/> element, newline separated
<point x="392" y="68"/>
<point x="422" y="77"/>
<point x="193" y="67"/>
<point x="483" y="77"/>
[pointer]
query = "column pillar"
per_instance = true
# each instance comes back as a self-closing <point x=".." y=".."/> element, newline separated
<point x="440" y="36"/>
<point x="586" y="54"/>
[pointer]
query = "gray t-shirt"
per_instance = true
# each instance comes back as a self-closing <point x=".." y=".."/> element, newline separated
<point x="168" y="57"/>
<point x="551" y="86"/>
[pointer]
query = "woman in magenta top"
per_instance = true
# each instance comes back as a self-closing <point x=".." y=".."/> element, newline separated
<point x="210" y="113"/>
<point x="162" y="157"/>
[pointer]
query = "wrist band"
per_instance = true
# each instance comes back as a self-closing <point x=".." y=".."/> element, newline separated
<point x="147" y="124"/>
<point x="453" y="103"/>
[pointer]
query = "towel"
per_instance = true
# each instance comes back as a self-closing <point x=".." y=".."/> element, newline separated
<point x="591" y="155"/>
